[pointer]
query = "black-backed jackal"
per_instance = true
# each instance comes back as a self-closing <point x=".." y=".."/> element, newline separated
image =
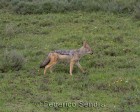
<point x="73" y="56"/>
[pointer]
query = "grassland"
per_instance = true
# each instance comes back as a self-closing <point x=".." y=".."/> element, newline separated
<point x="112" y="77"/>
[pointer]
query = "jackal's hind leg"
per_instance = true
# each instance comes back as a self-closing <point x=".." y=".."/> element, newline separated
<point x="71" y="67"/>
<point x="49" y="66"/>
<point x="52" y="62"/>
<point x="46" y="67"/>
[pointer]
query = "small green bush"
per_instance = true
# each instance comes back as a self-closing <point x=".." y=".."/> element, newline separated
<point x="4" y="4"/>
<point x="47" y="7"/>
<point x="26" y="8"/>
<point x="10" y="30"/>
<point x="137" y="12"/>
<point x="12" y="61"/>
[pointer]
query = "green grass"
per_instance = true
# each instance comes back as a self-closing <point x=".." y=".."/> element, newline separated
<point x="112" y="77"/>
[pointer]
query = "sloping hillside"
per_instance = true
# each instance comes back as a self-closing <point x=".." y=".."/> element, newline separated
<point x="111" y="82"/>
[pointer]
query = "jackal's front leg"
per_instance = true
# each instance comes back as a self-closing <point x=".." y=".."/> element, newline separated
<point x="80" y="67"/>
<point x="71" y="66"/>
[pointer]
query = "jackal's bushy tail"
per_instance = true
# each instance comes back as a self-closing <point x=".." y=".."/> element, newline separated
<point x="45" y="62"/>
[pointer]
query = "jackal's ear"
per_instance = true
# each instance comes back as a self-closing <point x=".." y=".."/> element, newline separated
<point x="84" y="43"/>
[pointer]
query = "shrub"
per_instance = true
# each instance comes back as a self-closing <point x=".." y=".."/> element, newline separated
<point x="12" y="61"/>
<point x="137" y="12"/>
<point x="26" y="8"/>
<point x="48" y="6"/>
<point x="4" y="4"/>
<point x="10" y="30"/>
<point x="60" y="6"/>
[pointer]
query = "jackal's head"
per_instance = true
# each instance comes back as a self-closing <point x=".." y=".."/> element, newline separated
<point x="86" y="48"/>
